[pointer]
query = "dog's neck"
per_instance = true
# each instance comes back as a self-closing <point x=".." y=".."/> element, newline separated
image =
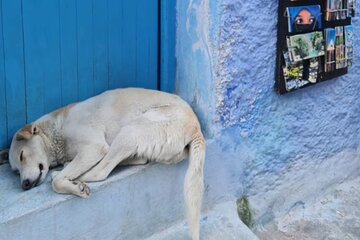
<point x="54" y="142"/>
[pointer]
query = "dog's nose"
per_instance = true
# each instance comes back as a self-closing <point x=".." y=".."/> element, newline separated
<point x="26" y="184"/>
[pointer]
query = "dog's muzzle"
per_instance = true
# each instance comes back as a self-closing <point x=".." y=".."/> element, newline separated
<point x="27" y="184"/>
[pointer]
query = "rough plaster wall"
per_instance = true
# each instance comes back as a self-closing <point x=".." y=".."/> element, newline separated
<point x="226" y="55"/>
<point x="275" y="132"/>
<point x="195" y="51"/>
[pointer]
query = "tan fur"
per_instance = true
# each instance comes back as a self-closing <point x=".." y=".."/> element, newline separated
<point x="25" y="133"/>
<point x="63" y="112"/>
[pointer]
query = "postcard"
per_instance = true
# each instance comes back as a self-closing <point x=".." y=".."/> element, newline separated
<point x="305" y="46"/>
<point x="336" y="9"/>
<point x="331" y="10"/>
<point x="330" y="49"/>
<point x="340" y="48"/>
<point x="294" y="76"/>
<point x="351" y="8"/>
<point x="287" y="59"/>
<point x="349" y="44"/>
<point x="342" y="9"/>
<point x="314" y="70"/>
<point x="304" y="18"/>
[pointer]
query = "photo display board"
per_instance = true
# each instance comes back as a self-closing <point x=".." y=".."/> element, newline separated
<point x="315" y="42"/>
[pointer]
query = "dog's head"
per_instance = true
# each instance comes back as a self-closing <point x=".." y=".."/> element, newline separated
<point x="28" y="156"/>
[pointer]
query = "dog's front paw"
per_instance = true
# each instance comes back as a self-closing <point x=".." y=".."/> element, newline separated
<point x="84" y="190"/>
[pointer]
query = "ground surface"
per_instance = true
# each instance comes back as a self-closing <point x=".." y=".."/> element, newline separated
<point x="333" y="214"/>
<point x="221" y="222"/>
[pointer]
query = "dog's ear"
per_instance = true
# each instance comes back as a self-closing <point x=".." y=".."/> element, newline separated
<point x="4" y="156"/>
<point x="27" y="132"/>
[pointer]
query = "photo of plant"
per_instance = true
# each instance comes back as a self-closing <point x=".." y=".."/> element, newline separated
<point x="305" y="46"/>
<point x="294" y="76"/>
<point x="304" y="18"/>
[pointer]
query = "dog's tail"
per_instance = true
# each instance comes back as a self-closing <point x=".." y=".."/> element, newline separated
<point x="194" y="184"/>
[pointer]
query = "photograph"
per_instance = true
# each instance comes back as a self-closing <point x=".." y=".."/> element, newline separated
<point x="313" y="70"/>
<point x="336" y="9"/>
<point x="349" y="43"/>
<point x="305" y="46"/>
<point x="331" y="10"/>
<point x="340" y="48"/>
<point x="304" y="18"/>
<point x="287" y="59"/>
<point x="293" y="75"/>
<point x="351" y="8"/>
<point x="343" y="9"/>
<point x="330" y="49"/>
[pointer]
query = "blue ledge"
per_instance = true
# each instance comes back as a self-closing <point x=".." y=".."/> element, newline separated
<point x="126" y="206"/>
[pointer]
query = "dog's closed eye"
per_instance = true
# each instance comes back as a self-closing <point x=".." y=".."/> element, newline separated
<point x="22" y="156"/>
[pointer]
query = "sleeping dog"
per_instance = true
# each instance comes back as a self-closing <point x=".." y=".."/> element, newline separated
<point x="124" y="126"/>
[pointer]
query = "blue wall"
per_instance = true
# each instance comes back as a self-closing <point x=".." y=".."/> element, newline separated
<point x="226" y="53"/>
<point x="311" y="124"/>
<point x="195" y="72"/>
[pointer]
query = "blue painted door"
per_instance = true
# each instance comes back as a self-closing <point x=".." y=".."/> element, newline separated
<point x="55" y="52"/>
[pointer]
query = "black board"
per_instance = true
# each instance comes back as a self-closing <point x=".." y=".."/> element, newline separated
<point x="282" y="44"/>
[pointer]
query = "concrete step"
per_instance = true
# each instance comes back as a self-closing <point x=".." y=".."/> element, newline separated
<point x="133" y="203"/>
<point x="126" y="206"/>
<point x="222" y="222"/>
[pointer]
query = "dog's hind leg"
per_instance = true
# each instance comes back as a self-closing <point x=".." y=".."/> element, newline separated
<point x="122" y="148"/>
<point x="134" y="161"/>
<point x="93" y="174"/>
<point x="147" y="141"/>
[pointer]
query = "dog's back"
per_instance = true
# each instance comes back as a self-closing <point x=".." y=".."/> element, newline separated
<point x="115" y="109"/>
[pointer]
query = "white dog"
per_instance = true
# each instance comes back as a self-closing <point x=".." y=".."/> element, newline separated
<point x="124" y="126"/>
